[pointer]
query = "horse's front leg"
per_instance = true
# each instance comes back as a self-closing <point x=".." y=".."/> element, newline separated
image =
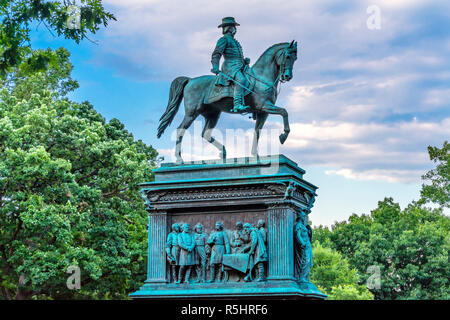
<point x="260" y="120"/>
<point x="273" y="109"/>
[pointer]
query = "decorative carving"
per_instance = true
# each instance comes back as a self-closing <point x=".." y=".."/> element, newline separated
<point x="173" y="251"/>
<point x="297" y="192"/>
<point x="293" y="191"/>
<point x="216" y="193"/>
<point x="243" y="255"/>
<point x="186" y="243"/>
<point x="310" y="199"/>
<point x="155" y="196"/>
<point x="144" y="196"/>
<point x="219" y="245"/>
<point x="289" y="190"/>
<point x="238" y="238"/>
<point x="303" y="250"/>
<point x="201" y="252"/>
<point x="257" y="249"/>
<point x="277" y="188"/>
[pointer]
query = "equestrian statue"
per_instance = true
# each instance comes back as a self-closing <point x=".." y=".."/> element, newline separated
<point x="236" y="88"/>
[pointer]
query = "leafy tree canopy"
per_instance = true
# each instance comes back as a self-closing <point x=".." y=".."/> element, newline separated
<point x="410" y="248"/>
<point x="69" y="193"/>
<point x="17" y="17"/>
<point x="438" y="191"/>
<point x="333" y="275"/>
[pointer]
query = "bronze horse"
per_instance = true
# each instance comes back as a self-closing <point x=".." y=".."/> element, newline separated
<point x="273" y="66"/>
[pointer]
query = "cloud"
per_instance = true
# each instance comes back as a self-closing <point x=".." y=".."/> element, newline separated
<point x="400" y="4"/>
<point x="437" y="97"/>
<point x="384" y="152"/>
<point x="364" y="103"/>
<point x="378" y="175"/>
<point x="374" y="151"/>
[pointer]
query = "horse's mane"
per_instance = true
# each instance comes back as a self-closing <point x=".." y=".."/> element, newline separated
<point x="269" y="49"/>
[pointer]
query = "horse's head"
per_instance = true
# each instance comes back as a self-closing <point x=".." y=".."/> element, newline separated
<point x="285" y="59"/>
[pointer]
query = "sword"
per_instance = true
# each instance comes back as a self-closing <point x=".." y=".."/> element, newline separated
<point x="229" y="78"/>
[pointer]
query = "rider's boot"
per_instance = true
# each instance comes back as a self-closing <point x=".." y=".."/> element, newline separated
<point x="238" y="101"/>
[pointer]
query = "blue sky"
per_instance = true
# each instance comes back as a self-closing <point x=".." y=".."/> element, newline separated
<point x="364" y="104"/>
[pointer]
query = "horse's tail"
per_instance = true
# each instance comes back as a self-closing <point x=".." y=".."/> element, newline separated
<point x="175" y="97"/>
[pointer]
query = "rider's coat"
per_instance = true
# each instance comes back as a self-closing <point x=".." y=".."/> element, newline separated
<point x="231" y="50"/>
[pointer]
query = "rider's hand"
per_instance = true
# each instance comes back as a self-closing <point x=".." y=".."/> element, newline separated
<point x="215" y="70"/>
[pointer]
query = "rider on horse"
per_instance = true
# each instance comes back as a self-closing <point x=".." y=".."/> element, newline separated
<point x="233" y="64"/>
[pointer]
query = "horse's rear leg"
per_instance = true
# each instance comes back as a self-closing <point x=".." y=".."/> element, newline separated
<point x="186" y="123"/>
<point x="210" y="123"/>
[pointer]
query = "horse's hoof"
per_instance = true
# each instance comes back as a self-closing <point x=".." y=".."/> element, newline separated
<point x="283" y="137"/>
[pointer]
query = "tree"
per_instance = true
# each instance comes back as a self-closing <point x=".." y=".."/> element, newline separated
<point x="17" y="17"/>
<point x="409" y="247"/>
<point x="439" y="189"/>
<point x="333" y="275"/>
<point x="69" y="192"/>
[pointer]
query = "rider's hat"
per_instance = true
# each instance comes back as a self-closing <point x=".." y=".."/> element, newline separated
<point x="228" y="21"/>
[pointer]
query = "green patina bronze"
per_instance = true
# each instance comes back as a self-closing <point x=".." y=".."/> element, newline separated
<point x="237" y="88"/>
<point x="251" y="237"/>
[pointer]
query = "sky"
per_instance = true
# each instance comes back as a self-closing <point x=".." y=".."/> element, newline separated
<point x="370" y="90"/>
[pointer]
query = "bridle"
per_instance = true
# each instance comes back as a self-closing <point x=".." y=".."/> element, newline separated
<point x="282" y="65"/>
<point x="284" y="55"/>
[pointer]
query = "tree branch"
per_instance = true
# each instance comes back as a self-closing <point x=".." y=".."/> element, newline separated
<point x="113" y="193"/>
<point x="6" y="293"/>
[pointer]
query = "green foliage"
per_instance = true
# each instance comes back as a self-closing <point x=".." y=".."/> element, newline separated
<point x="439" y="189"/>
<point x="17" y="17"/>
<point x="69" y="192"/>
<point x="410" y="247"/>
<point x="333" y="275"/>
<point x="57" y="75"/>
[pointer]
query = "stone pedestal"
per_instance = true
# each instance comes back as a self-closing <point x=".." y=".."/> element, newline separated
<point x="240" y="189"/>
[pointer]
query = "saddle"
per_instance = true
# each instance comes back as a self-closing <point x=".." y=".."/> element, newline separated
<point x="218" y="92"/>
